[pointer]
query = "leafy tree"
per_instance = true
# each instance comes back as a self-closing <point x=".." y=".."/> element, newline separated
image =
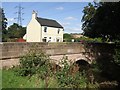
<point x="67" y="37"/>
<point x="4" y="25"/>
<point x="16" y="31"/>
<point x="102" y="20"/>
<point x="89" y="12"/>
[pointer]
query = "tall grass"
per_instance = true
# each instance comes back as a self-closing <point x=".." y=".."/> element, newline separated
<point x="11" y="80"/>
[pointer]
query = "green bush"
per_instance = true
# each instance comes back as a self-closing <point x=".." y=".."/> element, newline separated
<point x="37" y="63"/>
<point x="31" y="62"/>
<point x="86" y="39"/>
<point x="66" y="79"/>
<point x="117" y="56"/>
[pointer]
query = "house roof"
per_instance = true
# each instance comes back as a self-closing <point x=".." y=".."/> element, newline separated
<point x="48" y="22"/>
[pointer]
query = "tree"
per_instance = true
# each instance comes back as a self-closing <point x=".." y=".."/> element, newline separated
<point x="67" y="37"/>
<point x="16" y="31"/>
<point x="89" y="12"/>
<point x="103" y="21"/>
<point x="4" y="25"/>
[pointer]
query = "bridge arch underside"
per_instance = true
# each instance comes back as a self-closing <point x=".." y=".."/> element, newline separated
<point x="83" y="59"/>
<point x="82" y="64"/>
<point x="71" y="59"/>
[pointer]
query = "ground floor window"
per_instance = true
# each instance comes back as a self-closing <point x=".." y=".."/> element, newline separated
<point x="44" y="39"/>
<point x="58" y="40"/>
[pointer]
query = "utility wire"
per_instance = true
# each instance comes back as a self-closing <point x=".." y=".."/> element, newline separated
<point x="19" y="14"/>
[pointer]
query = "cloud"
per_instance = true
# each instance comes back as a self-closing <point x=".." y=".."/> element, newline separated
<point x="59" y="8"/>
<point x="10" y="19"/>
<point x="70" y="18"/>
<point x="73" y="29"/>
<point x="65" y="23"/>
<point x="24" y="25"/>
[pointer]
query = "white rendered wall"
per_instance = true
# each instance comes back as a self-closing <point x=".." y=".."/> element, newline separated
<point x="53" y="33"/>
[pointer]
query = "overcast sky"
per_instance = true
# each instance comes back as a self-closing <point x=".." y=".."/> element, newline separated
<point x="68" y="14"/>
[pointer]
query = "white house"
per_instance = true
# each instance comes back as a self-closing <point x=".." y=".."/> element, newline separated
<point x="43" y="30"/>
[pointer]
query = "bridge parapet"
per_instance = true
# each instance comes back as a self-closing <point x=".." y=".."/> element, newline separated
<point x="11" y="51"/>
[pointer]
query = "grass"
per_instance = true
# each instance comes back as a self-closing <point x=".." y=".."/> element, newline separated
<point x="10" y="80"/>
<point x="0" y="79"/>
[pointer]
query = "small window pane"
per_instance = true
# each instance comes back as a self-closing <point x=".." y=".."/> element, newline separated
<point x="58" y="31"/>
<point x="45" y="29"/>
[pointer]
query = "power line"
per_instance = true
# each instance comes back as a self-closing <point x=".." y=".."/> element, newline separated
<point x="19" y="15"/>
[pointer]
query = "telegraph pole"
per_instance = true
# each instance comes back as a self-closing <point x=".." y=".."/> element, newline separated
<point x="19" y="15"/>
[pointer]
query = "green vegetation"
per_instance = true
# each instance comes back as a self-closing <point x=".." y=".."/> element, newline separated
<point x="117" y="57"/>
<point x="100" y="23"/>
<point x="16" y="31"/>
<point x="67" y="37"/>
<point x="11" y="80"/>
<point x="4" y="25"/>
<point x="31" y="62"/>
<point x="0" y="79"/>
<point x="13" y="32"/>
<point x="36" y="71"/>
<point x="102" y="20"/>
<point x="86" y="39"/>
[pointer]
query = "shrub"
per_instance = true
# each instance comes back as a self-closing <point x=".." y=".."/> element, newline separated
<point x="31" y="62"/>
<point x="67" y="79"/>
<point x="117" y="56"/>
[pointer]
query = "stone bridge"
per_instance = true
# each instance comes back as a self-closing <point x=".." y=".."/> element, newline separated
<point x="11" y="51"/>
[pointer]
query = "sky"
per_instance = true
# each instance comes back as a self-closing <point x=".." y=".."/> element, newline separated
<point x="68" y="14"/>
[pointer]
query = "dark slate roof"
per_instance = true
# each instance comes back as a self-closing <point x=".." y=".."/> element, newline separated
<point x="48" y="22"/>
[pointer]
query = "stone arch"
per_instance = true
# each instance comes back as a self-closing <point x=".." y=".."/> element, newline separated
<point x="82" y="64"/>
<point x="83" y="59"/>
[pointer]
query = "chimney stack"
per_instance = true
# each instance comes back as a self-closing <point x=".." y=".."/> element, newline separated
<point x="34" y="15"/>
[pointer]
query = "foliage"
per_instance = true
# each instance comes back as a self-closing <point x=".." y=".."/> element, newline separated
<point x="87" y="39"/>
<point x="67" y="79"/>
<point x="117" y="56"/>
<point x="16" y="31"/>
<point x="95" y="85"/>
<point x="52" y="83"/>
<point x="107" y="66"/>
<point x="4" y="25"/>
<point x="67" y="37"/>
<point x="31" y="62"/>
<point x="102" y="21"/>
<point x="89" y="12"/>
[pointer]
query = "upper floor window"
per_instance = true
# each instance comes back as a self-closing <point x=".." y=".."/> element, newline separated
<point x="45" y="29"/>
<point x="58" y="30"/>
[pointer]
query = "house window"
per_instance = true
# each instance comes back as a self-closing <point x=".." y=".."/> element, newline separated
<point x="49" y="39"/>
<point x="45" y="39"/>
<point x="58" y="30"/>
<point x="45" y="29"/>
<point x="58" y="40"/>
